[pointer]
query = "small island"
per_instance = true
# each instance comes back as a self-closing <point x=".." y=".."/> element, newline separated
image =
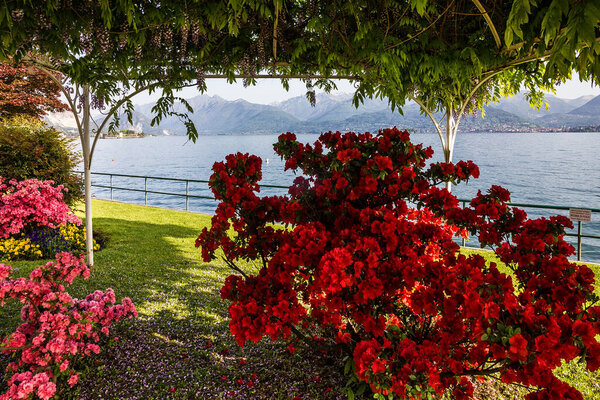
<point x="124" y="133"/>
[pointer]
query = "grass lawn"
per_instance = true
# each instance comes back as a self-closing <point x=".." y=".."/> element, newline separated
<point x="179" y="347"/>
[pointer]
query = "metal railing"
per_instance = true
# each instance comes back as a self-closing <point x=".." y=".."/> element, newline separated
<point x="187" y="194"/>
<point x="579" y="235"/>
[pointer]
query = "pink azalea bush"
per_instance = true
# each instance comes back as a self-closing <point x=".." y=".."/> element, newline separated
<point x="57" y="329"/>
<point x="32" y="203"/>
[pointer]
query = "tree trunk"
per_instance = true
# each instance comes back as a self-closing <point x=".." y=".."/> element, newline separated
<point x="87" y="161"/>
<point x="448" y="144"/>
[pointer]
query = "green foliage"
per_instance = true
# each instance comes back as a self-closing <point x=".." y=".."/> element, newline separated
<point x="29" y="149"/>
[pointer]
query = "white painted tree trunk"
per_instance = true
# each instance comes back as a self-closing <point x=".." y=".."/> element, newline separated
<point x="87" y="178"/>
<point x="448" y="144"/>
<point x="447" y="132"/>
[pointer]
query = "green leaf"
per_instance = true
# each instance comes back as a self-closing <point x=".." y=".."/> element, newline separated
<point x="361" y="389"/>
<point x="419" y="6"/>
<point x="348" y="366"/>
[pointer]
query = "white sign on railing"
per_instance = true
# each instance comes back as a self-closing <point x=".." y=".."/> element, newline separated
<point x="580" y="214"/>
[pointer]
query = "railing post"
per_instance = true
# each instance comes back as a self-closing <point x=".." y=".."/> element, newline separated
<point x="111" y="187"/>
<point x="464" y="242"/>
<point x="187" y="193"/>
<point x="145" y="190"/>
<point x="579" y="231"/>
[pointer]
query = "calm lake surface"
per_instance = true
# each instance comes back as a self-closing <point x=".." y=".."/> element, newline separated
<point x="538" y="168"/>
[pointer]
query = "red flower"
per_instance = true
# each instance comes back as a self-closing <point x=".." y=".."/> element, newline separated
<point x="349" y="154"/>
<point x="383" y="163"/>
<point x="518" y="348"/>
<point x="378" y="366"/>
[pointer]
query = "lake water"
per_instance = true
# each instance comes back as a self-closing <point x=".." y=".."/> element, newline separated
<point x="539" y="168"/>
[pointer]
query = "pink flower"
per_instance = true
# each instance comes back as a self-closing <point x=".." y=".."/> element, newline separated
<point x="46" y="390"/>
<point x="73" y="379"/>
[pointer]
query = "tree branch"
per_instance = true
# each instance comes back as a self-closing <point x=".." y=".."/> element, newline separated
<point x="487" y="18"/>
<point x="473" y="372"/>
<point x="422" y="30"/>
<point x="111" y="112"/>
<point x="15" y="348"/>
<point x="234" y="267"/>
<point x="62" y="89"/>
<point x="430" y="114"/>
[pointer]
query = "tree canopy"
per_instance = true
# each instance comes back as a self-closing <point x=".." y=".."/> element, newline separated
<point x="434" y="48"/>
<point x="27" y="91"/>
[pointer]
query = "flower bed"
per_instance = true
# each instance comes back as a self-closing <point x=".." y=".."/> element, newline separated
<point x="36" y="223"/>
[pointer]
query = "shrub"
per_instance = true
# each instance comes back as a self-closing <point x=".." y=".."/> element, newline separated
<point x="366" y="262"/>
<point x="57" y="329"/>
<point x="35" y="222"/>
<point x="29" y="149"/>
<point x="31" y="204"/>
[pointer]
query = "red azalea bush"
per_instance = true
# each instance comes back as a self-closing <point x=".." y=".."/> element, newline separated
<point x="57" y="329"/>
<point x="365" y="261"/>
<point x="32" y="203"/>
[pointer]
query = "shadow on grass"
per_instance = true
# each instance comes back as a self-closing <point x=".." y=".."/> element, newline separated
<point x="180" y="347"/>
<point x="147" y="261"/>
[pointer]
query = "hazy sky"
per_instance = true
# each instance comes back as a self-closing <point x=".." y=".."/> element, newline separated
<point x="269" y="91"/>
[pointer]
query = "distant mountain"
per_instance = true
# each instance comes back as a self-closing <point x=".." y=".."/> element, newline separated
<point x="63" y="120"/>
<point x="592" y="107"/>
<point x="239" y="116"/>
<point x="586" y="115"/>
<point x="330" y="107"/>
<point x="215" y="115"/>
<point x="579" y="101"/>
<point x="300" y="107"/>
<point x="519" y="106"/>
<point x="496" y="120"/>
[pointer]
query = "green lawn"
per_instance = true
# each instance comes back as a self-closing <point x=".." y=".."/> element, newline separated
<point x="179" y="347"/>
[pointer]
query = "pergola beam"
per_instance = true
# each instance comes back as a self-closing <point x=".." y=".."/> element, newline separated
<point x="487" y="18"/>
